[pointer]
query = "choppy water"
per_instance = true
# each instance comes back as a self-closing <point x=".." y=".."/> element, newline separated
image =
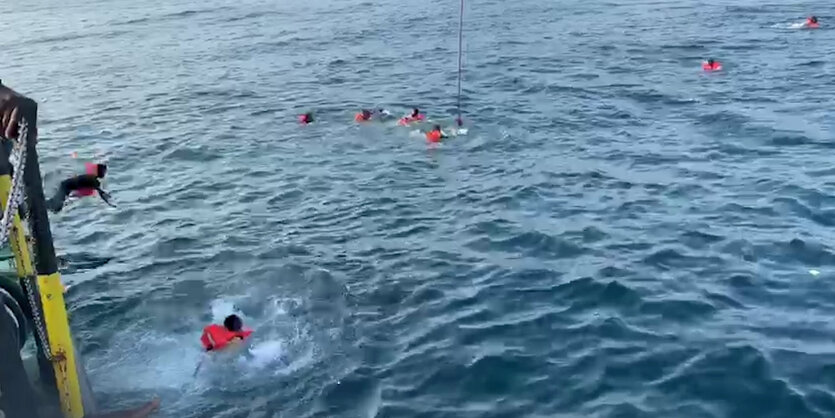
<point x="620" y="235"/>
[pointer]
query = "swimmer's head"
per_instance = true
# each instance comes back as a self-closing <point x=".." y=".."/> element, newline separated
<point x="233" y="323"/>
<point x="437" y="127"/>
<point x="813" y="19"/>
<point x="366" y="114"/>
<point x="101" y="170"/>
<point x="308" y="117"/>
<point x="415" y="112"/>
<point x="710" y="61"/>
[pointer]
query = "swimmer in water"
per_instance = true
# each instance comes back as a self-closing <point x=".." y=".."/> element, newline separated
<point x="363" y="116"/>
<point x="711" y="65"/>
<point x="415" y="116"/>
<point x="812" y="22"/>
<point x="306" y="118"/>
<point x="436" y="134"/>
<point x="216" y="337"/>
<point x="80" y="186"/>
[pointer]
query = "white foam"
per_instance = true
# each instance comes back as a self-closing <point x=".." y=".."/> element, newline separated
<point x="157" y="361"/>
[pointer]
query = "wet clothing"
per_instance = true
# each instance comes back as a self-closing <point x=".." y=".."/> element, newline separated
<point x="217" y="337"/>
<point x="83" y="185"/>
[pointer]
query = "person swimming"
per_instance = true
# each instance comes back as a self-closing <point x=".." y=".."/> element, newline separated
<point x="87" y="184"/>
<point x="306" y="118"/>
<point x="711" y="65"/>
<point x="812" y="22"/>
<point x="436" y="134"/>
<point x="415" y="116"/>
<point x="363" y="116"/>
<point x="216" y="337"/>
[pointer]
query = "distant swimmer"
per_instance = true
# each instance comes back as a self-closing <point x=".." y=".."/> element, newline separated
<point x="415" y="116"/>
<point x="87" y="184"/>
<point x="711" y="65"/>
<point x="812" y="23"/>
<point x="436" y="134"/>
<point x="366" y="115"/>
<point x="306" y="118"/>
<point x="232" y="332"/>
<point x="363" y="116"/>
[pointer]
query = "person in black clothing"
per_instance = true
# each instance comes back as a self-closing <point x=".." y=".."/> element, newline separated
<point x="80" y="186"/>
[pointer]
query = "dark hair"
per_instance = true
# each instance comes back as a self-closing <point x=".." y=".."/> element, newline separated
<point x="233" y="323"/>
<point x="366" y="112"/>
<point x="437" y="127"/>
<point x="415" y="112"/>
<point x="101" y="170"/>
<point x="813" y="19"/>
<point x="710" y="61"/>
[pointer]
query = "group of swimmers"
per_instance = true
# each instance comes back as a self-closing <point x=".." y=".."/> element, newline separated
<point x="436" y="134"/>
<point x="712" y="65"/>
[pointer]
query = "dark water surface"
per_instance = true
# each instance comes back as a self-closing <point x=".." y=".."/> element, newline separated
<point x="619" y="235"/>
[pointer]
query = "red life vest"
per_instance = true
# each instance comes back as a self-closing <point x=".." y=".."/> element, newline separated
<point x="89" y="168"/>
<point x="434" y="136"/>
<point x="359" y="117"/>
<point x="216" y="337"/>
<point x="409" y="119"/>
<point x="812" y="25"/>
<point x="715" y="67"/>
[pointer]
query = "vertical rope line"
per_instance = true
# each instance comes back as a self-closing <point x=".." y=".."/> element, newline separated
<point x="460" y="53"/>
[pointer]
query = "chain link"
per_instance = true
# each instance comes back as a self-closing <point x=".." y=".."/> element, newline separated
<point x="16" y="194"/>
<point x="15" y="198"/>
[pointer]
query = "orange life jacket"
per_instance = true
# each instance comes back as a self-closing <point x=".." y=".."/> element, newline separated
<point x="361" y="118"/>
<point x="216" y="337"/>
<point x="434" y="136"/>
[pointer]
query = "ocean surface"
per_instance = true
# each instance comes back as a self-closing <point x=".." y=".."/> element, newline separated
<point x="618" y="235"/>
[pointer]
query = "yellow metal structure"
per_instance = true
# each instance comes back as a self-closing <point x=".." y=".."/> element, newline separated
<point x="60" y="344"/>
<point x="54" y="314"/>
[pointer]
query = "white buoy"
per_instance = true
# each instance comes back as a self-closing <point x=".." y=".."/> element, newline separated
<point x="814" y="272"/>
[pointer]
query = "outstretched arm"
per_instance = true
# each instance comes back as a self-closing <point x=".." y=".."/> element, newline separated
<point x="105" y="196"/>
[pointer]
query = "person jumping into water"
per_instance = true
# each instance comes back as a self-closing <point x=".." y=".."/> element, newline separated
<point x="80" y="186"/>
<point x="216" y="337"/>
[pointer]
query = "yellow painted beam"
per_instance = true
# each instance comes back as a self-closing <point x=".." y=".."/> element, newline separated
<point x="51" y="293"/>
<point x="60" y="344"/>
